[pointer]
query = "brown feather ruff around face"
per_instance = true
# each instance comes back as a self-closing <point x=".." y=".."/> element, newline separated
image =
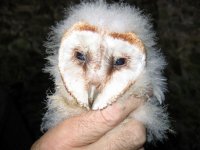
<point x="128" y="36"/>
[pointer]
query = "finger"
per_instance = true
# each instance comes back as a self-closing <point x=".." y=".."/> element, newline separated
<point x="130" y="136"/>
<point x="89" y="127"/>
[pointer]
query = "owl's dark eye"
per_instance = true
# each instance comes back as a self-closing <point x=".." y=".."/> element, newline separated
<point x="120" y="62"/>
<point x="80" y="56"/>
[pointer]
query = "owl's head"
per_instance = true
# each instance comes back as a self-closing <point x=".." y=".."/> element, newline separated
<point x="97" y="66"/>
<point x="100" y="51"/>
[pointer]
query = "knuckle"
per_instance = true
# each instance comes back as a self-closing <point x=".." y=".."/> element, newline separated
<point x="112" y="116"/>
<point x="130" y="135"/>
<point x="133" y="136"/>
<point x="117" y="144"/>
<point x="139" y="134"/>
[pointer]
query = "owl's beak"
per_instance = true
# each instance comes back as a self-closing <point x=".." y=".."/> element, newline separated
<point x="92" y="94"/>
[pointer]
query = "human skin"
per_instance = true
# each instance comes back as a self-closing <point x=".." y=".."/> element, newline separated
<point x="104" y="129"/>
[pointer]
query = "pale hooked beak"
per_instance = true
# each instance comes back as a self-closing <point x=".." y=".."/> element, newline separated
<point x="92" y="94"/>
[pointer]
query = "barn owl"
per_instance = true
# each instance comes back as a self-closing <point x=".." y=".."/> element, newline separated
<point x="102" y="53"/>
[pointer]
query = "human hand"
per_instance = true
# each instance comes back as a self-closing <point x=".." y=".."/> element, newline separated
<point x="97" y="130"/>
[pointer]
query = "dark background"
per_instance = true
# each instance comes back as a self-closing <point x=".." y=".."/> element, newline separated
<point x="24" y="25"/>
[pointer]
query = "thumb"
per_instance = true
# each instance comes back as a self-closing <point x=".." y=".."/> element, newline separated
<point x="91" y="126"/>
<point x="88" y="127"/>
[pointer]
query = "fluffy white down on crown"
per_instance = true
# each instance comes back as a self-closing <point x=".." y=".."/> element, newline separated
<point x="117" y="18"/>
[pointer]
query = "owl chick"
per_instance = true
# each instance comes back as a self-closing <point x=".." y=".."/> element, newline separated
<point x="102" y="53"/>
